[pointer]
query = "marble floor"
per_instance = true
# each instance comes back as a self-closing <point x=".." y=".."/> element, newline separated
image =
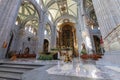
<point x="87" y="69"/>
<point x="76" y="70"/>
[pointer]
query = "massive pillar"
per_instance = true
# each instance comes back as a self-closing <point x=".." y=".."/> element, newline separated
<point x="8" y="14"/>
<point x="108" y="15"/>
<point x="82" y="31"/>
<point x="79" y="26"/>
<point x="53" y="37"/>
<point x="40" y="34"/>
<point x="109" y="21"/>
<point x="86" y="31"/>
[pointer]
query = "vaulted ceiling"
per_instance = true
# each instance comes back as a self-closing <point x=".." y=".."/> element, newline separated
<point x="58" y="8"/>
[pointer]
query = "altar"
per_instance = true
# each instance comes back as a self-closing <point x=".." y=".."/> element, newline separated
<point x="66" y="55"/>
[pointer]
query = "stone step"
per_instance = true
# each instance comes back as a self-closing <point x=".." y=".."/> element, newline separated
<point x="5" y="79"/>
<point x="13" y="70"/>
<point x="18" y="66"/>
<point x="21" y="63"/>
<point x="10" y="76"/>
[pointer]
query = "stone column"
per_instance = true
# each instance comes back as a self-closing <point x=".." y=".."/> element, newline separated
<point x="53" y="37"/>
<point x="114" y="7"/>
<point x="8" y="14"/>
<point x="79" y="37"/>
<point x="79" y="26"/>
<point x="85" y="31"/>
<point x="106" y="15"/>
<point x="96" y="4"/>
<point x="40" y="34"/>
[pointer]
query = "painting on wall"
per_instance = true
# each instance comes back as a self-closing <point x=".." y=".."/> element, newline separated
<point x="4" y="44"/>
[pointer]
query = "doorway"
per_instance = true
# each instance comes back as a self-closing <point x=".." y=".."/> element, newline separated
<point x="97" y="43"/>
<point x="46" y="45"/>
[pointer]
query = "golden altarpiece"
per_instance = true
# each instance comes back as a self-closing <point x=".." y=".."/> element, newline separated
<point x="66" y="38"/>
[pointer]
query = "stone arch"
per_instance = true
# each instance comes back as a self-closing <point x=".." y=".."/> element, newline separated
<point x="36" y="9"/>
<point x="28" y="19"/>
<point x="36" y="6"/>
<point x="64" y="17"/>
<point x="20" y="23"/>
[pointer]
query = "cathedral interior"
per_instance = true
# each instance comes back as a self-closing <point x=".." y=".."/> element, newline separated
<point x="59" y="39"/>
